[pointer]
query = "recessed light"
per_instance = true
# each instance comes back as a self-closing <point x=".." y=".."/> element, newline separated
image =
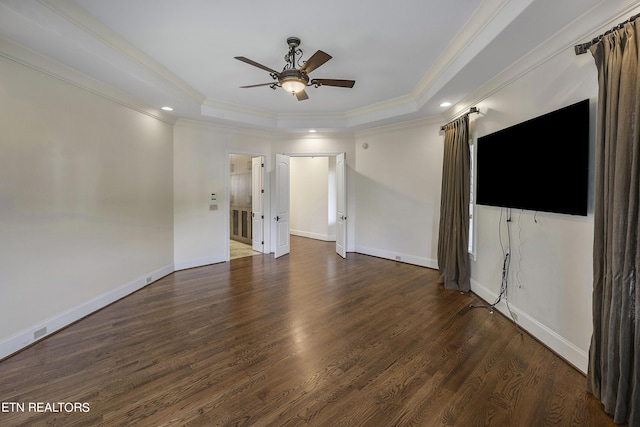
<point x="446" y="104"/>
<point x="312" y="131"/>
<point x="167" y="108"/>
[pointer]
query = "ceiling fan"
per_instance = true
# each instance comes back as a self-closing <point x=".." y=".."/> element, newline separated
<point x="294" y="77"/>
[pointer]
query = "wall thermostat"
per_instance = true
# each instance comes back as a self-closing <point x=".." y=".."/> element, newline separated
<point x="213" y="201"/>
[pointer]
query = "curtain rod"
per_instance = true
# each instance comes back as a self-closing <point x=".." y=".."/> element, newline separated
<point x="471" y="110"/>
<point x="584" y="47"/>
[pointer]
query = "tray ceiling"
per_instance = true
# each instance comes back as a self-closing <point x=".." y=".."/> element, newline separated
<point x="407" y="56"/>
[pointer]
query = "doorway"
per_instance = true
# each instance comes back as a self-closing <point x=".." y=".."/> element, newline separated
<point x="246" y="205"/>
<point x="323" y="217"/>
<point x="313" y="198"/>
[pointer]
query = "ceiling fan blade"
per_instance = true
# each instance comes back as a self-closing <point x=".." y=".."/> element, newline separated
<point x="316" y="60"/>
<point x="302" y="95"/>
<point x="261" y="84"/>
<point x="255" y="64"/>
<point x="335" y="82"/>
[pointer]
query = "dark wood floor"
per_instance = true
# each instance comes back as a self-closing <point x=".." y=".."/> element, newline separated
<point x="308" y="339"/>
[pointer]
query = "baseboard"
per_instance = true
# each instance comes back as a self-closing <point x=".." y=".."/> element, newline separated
<point x="310" y="235"/>
<point x="198" y="262"/>
<point x="43" y="329"/>
<point x="397" y="256"/>
<point x="558" y="344"/>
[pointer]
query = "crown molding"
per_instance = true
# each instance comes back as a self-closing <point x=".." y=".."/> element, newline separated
<point x="236" y="113"/>
<point x="460" y="51"/>
<point x="432" y="121"/>
<point x="223" y="128"/>
<point x="26" y="57"/>
<point x="77" y="16"/>
<point x="222" y="111"/>
<point x="593" y="22"/>
<point x="487" y="22"/>
<point x="371" y="114"/>
<point x="470" y="39"/>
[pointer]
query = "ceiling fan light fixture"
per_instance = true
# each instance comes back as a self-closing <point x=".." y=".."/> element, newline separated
<point x="293" y="81"/>
<point x="294" y="78"/>
<point x="293" y="86"/>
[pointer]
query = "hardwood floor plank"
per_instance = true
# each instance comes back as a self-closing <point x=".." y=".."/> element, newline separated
<point x="310" y="339"/>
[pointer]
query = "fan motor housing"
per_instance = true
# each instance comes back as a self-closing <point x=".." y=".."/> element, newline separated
<point x="293" y="75"/>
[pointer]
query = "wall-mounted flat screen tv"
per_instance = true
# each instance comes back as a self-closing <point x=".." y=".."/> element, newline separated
<point x="540" y="165"/>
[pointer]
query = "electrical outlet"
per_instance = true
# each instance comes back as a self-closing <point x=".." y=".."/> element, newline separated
<point x="398" y="258"/>
<point x="149" y="279"/>
<point x="40" y="333"/>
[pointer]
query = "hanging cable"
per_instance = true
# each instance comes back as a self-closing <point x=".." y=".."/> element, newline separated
<point x="505" y="262"/>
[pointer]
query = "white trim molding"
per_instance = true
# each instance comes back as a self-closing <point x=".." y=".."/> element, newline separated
<point x="558" y="344"/>
<point x="43" y="329"/>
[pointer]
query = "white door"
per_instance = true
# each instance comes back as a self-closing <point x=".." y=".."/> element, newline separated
<point x="341" y="206"/>
<point x="257" y="203"/>
<point x="283" y="245"/>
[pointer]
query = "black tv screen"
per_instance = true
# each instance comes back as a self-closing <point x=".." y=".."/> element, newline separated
<point x="540" y="165"/>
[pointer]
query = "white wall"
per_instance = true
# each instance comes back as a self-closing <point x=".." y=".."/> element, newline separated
<point x="398" y="203"/>
<point x="85" y="202"/>
<point x="310" y="198"/>
<point x="201" y="167"/>
<point x="550" y="279"/>
<point x="398" y="180"/>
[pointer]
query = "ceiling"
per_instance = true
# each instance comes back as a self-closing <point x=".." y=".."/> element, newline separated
<point x="407" y="56"/>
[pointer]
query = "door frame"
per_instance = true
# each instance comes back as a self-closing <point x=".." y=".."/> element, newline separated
<point x="316" y="154"/>
<point x="266" y="200"/>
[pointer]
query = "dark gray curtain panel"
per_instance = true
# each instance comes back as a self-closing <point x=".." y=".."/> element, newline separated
<point x="614" y="355"/>
<point x="453" y="237"/>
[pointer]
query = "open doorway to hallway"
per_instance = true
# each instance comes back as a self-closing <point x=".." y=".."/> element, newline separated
<point x="323" y="217"/>
<point x="316" y="193"/>
<point x="313" y="197"/>
<point x="246" y="212"/>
